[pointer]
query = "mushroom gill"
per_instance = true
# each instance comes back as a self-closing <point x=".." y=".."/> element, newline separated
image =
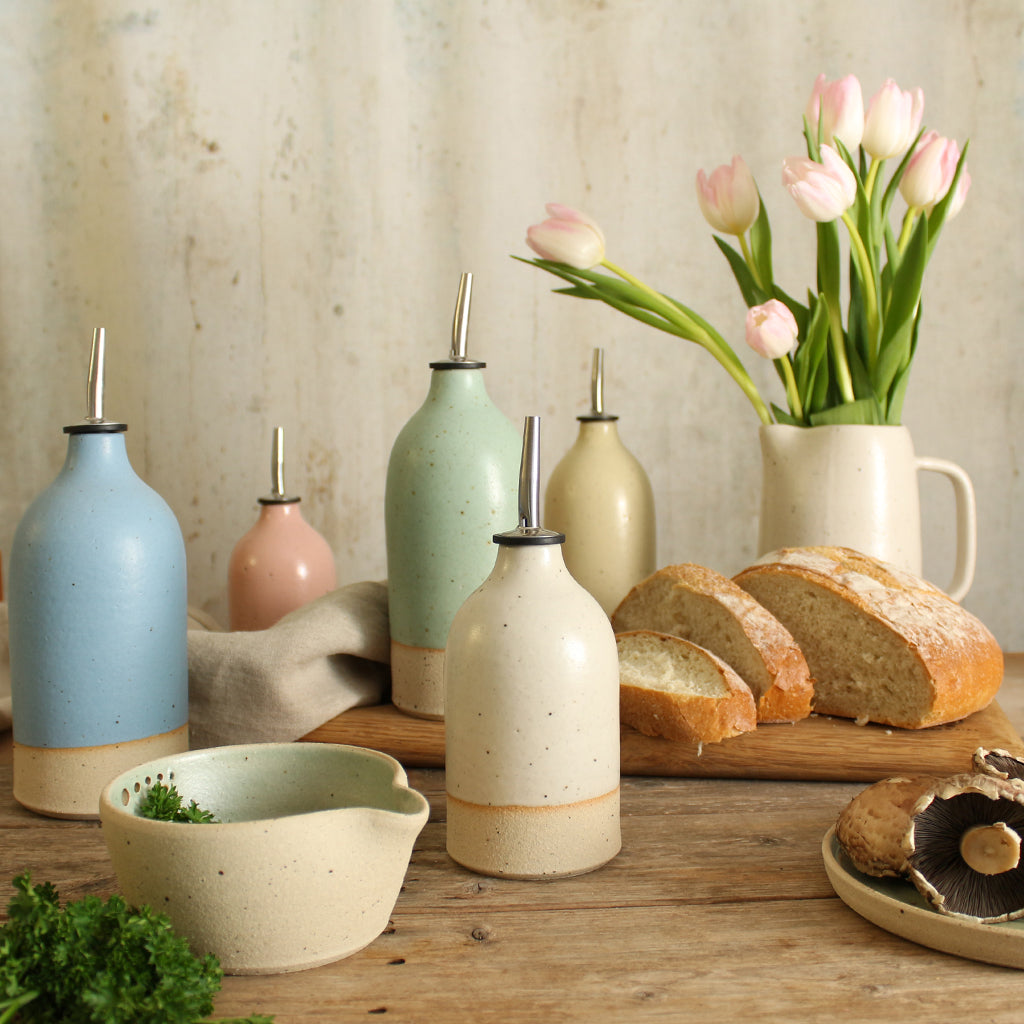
<point x="963" y="847"/>
<point x="998" y="762"/>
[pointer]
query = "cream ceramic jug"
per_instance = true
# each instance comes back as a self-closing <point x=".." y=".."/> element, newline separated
<point x="855" y="486"/>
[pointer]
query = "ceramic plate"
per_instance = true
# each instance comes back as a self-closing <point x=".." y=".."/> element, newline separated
<point x="896" y="906"/>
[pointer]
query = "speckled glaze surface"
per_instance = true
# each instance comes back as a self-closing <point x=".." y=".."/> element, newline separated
<point x="532" y="725"/>
<point x="600" y="497"/>
<point x="451" y="485"/>
<point x="98" y="615"/>
<point x="856" y="486"/>
<point x="304" y="867"/>
<point x="279" y="565"/>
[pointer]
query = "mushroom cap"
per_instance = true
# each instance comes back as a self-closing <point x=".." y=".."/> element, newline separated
<point x="939" y="821"/>
<point x="998" y="762"/>
<point x="871" y="827"/>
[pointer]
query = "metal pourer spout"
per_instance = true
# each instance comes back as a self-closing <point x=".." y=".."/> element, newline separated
<point x="458" y="359"/>
<point x="277" y="494"/>
<point x="529" y="530"/>
<point x="529" y="474"/>
<point x="597" y="383"/>
<point x="597" y="389"/>
<point x="94" y="388"/>
<point x="460" y="324"/>
<point x="95" y="422"/>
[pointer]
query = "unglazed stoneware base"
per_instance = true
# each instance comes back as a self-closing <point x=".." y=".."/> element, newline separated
<point x="534" y="842"/>
<point x="303" y="867"/>
<point x="66" y="782"/>
<point x="417" y="680"/>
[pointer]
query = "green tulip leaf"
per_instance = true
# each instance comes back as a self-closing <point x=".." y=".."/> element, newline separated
<point x="749" y="289"/>
<point x="761" y="246"/>
<point x="782" y="416"/>
<point x="863" y="411"/>
<point x="937" y="217"/>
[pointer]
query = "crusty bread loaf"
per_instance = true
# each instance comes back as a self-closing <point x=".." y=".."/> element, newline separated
<point x="709" y="609"/>
<point x="670" y="687"/>
<point x="882" y="644"/>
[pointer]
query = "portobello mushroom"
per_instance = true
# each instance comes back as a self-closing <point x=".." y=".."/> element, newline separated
<point x="963" y="847"/>
<point x="998" y="762"/>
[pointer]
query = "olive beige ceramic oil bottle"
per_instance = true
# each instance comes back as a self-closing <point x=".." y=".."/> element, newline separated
<point x="451" y="483"/>
<point x="98" y="618"/>
<point x="532" y="721"/>
<point x="600" y="497"/>
<point x="282" y="562"/>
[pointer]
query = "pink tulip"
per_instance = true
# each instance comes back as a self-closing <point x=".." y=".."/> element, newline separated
<point x="568" y="236"/>
<point x="840" y="106"/>
<point x="956" y="204"/>
<point x="771" y="329"/>
<point x="893" y="120"/>
<point x="930" y="173"/>
<point x="823" y="191"/>
<point x="729" y="199"/>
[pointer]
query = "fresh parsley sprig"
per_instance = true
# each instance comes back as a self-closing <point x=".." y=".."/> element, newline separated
<point x="99" y="962"/>
<point x="164" y="803"/>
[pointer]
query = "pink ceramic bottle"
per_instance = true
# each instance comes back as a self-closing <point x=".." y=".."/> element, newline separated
<point x="282" y="563"/>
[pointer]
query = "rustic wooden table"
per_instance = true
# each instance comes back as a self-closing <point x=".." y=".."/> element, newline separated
<point x="718" y="909"/>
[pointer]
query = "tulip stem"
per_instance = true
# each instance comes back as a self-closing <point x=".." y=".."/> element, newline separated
<point x="750" y="262"/>
<point x="868" y="278"/>
<point x="843" y="378"/>
<point x="869" y="182"/>
<point x="908" y="225"/>
<point x="704" y="336"/>
<point x="792" y="392"/>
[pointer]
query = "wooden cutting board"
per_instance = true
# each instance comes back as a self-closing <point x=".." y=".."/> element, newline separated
<point x="818" y="748"/>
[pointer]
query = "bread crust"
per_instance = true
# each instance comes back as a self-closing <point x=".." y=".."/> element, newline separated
<point x="667" y="602"/>
<point x="959" y="657"/>
<point x="692" y="718"/>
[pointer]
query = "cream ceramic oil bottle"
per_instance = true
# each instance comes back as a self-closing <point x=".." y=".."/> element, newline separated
<point x="600" y="497"/>
<point x="532" y="720"/>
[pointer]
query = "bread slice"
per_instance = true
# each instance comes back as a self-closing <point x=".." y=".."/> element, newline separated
<point x="709" y="609"/>
<point x="670" y="687"/>
<point x="882" y="644"/>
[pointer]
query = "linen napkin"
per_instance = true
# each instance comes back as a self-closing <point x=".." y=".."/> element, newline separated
<point x="280" y="683"/>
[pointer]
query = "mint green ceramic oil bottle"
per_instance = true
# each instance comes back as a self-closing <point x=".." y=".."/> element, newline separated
<point x="452" y="483"/>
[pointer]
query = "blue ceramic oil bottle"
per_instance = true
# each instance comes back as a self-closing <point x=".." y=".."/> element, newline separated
<point x="97" y="605"/>
<point x="451" y="484"/>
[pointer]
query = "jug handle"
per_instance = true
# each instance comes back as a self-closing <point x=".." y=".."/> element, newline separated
<point x="966" y="523"/>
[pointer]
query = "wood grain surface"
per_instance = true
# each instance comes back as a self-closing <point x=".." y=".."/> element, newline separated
<point x="819" y="748"/>
<point x="718" y="909"/>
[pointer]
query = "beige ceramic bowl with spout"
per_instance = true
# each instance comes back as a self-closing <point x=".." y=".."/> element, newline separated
<point x="304" y="866"/>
